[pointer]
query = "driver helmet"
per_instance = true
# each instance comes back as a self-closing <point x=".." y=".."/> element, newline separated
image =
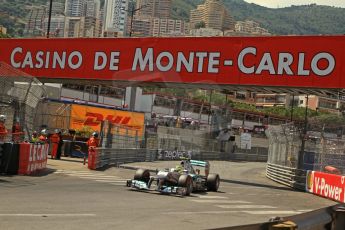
<point x="44" y="132"/>
<point x="2" y="118"/>
<point x="95" y="134"/>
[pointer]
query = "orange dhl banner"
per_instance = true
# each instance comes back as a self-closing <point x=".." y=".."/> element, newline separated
<point x="130" y="123"/>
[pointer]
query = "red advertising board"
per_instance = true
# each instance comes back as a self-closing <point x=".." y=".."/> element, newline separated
<point x="289" y="61"/>
<point x="326" y="185"/>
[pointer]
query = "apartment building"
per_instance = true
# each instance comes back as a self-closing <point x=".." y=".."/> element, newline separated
<point x="214" y="14"/>
<point x="74" y="8"/>
<point x="82" y="18"/>
<point x="115" y="17"/>
<point x="3" y="30"/>
<point x="163" y="27"/>
<point x="57" y="25"/>
<point x="142" y="26"/>
<point x="206" y="32"/>
<point x="154" y="8"/>
<point x="322" y="104"/>
<point x="74" y="27"/>
<point x="251" y="27"/>
<point x="35" y="22"/>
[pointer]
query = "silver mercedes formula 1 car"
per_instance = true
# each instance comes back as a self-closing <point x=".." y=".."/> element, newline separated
<point x="182" y="180"/>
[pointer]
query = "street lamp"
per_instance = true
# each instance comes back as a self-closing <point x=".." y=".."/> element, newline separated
<point x="49" y="17"/>
<point x="133" y="90"/>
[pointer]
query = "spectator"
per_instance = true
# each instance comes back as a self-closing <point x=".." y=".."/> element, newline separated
<point x="34" y="137"/>
<point x="43" y="137"/>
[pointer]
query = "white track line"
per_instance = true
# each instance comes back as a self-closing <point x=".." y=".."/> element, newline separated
<point x="111" y="181"/>
<point x="48" y="215"/>
<point x="222" y="201"/>
<point x="212" y="197"/>
<point x="281" y="212"/>
<point x="244" y="206"/>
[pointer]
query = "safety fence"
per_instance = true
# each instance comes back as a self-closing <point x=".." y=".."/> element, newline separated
<point x="320" y="151"/>
<point x="23" y="158"/>
<point x="102" y="157"/>
<point x="256" y="154"/>
<point x="20" y="95"/>
<point x="329" y="218"/>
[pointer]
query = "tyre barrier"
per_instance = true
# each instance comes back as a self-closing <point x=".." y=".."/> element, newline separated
<point x="32" y="158"/>
<point x="9" y="158"/>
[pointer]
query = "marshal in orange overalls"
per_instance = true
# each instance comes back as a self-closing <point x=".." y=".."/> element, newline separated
<point x="16" y="132"/>
<point x="3" y="131"/>
<point x="54" y="139"/>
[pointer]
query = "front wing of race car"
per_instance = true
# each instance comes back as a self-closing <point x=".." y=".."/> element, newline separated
<point x="141" y="185"/>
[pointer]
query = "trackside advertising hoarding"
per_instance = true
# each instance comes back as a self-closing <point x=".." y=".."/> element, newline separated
<point x="326" y="185"/>
<point x="124" y="122"/>
<point x="291" y="61"/>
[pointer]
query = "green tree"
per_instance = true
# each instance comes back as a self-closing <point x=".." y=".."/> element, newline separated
<point x="200" y="25"/>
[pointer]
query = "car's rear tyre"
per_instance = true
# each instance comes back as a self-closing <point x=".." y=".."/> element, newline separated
<point x="142" y="175"/>
<point x="186" y="181"/>
<point x="213" y="181"/>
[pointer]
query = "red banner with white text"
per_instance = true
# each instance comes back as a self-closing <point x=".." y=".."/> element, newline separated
<point x="290" y="61"/>
<point x="326" y="185"/>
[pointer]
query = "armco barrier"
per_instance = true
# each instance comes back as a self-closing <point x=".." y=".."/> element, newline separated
<point x="102" y="157"/>
<point x="32" y="158"/>
<point x="288" y="176"/>
<point x="330" y="218"/>
<point x="111" y="156"/>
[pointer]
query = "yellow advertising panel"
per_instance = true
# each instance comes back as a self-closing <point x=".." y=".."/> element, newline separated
<point x="124" y="122"/>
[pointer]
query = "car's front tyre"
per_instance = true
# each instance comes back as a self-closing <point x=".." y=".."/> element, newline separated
<point x="142" y="175"/>
<point x="186" y="181"/>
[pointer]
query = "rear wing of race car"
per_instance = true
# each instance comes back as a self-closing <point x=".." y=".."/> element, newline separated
<point x="203" y="164"/>
<point x="199" y="163"/>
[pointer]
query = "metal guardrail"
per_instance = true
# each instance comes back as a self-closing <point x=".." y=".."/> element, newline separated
<point x="288" y="176"/>
<point x="108" y="157"/>
<point x="116" y="156"/>
<point x="330" y="218"/>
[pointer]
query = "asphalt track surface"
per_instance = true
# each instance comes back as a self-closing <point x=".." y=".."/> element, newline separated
<point x="69" y="196"/>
